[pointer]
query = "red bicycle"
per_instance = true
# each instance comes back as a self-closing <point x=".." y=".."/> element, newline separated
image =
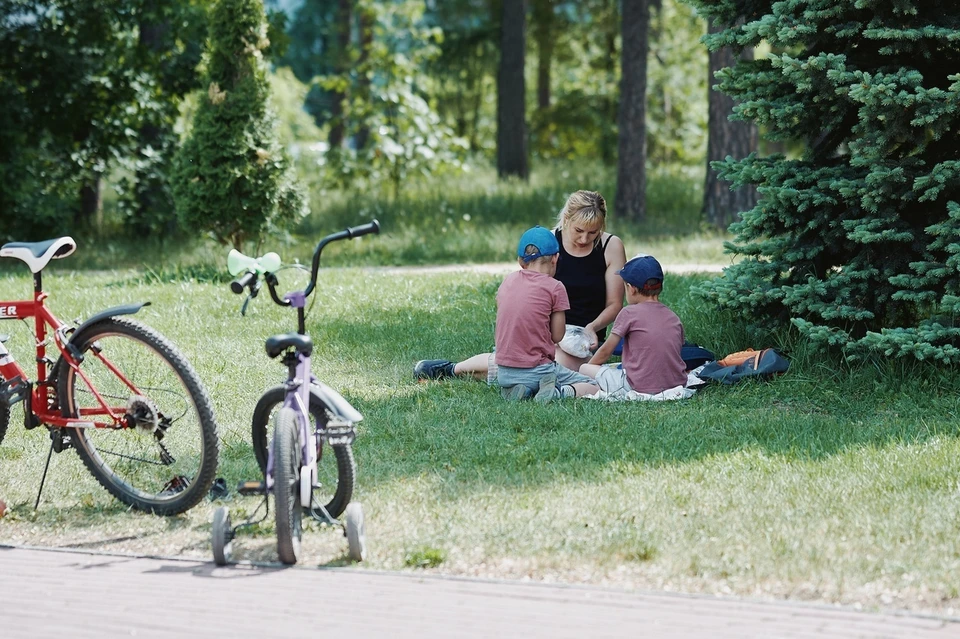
<point x="119" y="393"/>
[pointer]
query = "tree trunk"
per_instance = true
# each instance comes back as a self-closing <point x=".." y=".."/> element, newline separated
<point x="153" y="200"/>
<point x="337" y="127"/>
<point x="631" y="170"/>
<point x="721" y="204"/>
<point x="511" y="90"/>
<point x="90" y="215"/>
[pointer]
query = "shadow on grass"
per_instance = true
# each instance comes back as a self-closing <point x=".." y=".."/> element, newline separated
<point x="462" y="429"/>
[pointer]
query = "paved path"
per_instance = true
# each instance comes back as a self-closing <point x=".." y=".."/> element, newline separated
<point x="66" y="595"/>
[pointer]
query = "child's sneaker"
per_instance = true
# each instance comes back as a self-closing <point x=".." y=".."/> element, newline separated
<point x="433" y="369"/>
<point x="515" y="393"/>
<point x="548" y="389"/>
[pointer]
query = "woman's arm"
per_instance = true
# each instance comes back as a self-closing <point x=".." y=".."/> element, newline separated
<point x="616" y="257"/>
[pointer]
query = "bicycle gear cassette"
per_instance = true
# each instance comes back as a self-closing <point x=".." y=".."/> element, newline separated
<point x="142" y="413"/>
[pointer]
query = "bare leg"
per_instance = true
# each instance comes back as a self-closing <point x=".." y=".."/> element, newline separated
<point x="585" y="389"/>
<point x="590" y="370"/>
<point x="567" y="360"/>
<point x="475" y="366"/>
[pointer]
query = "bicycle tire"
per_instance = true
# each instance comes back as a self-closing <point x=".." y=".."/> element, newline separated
<point x="166" y="464"/>
<point x="4" y="419"/>
<point x="221" y="533"/>
<point x="287" y="461"/>
<point x="335" y="500"/>
<point x="356" y="532"/>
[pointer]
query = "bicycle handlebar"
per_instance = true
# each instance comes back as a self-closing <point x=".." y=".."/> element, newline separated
<point x="243" y="282"/>
<point x="249" y="279"/>
<point x="355" y="231"/>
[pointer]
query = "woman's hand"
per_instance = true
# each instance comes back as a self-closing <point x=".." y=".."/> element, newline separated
<point x="592" y="338"/>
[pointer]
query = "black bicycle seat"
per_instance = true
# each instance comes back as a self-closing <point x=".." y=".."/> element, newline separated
<point x="276" y="344"/>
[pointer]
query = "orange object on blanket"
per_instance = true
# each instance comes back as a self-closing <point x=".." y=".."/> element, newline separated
<point x="734" y="359"/>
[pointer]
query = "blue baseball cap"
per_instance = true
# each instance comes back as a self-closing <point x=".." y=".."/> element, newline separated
<point x="641" y="268"/>
<point x="542" y="238"/>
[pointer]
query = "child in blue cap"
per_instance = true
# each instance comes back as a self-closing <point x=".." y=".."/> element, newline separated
<point x="531" y="319"/>
<point x="652" y="337"/>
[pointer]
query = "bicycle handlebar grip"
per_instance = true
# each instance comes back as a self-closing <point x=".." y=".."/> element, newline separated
<point x="364" y="229"/>
<point x="241" y="283"/>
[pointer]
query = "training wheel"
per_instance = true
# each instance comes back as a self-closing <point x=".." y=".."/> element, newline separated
<point x="222" y="532"/>
<point x="355" y="531"/>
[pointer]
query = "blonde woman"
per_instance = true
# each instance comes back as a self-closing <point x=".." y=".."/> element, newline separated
<point x="587" y="267"/>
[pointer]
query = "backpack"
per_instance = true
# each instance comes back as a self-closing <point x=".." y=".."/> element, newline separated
<point x="763" y="364"/>
<point x="694" y="355"/>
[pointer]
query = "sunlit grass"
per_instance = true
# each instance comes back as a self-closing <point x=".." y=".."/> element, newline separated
<point x="468" y="218"/>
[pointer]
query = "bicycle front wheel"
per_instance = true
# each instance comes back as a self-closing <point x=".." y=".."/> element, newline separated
<point x="336" y="473"/>
<point x="163" y="457"/>
<point x="287" y="461"/>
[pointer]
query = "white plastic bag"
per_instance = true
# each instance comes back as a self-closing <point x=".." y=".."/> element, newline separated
<point x="574" y="342"/>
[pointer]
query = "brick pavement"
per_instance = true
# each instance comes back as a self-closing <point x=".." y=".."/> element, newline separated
<point x="67" y="594"/>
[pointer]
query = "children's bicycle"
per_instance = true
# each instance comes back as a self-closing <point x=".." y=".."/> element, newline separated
<point x="307" y="419"/>
<point x="120" y="394"/>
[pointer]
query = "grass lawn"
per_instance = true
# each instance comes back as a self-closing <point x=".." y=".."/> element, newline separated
<point x="829" y="483"/>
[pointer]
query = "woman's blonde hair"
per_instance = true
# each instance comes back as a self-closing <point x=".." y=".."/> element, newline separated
<point x="584" y="207"/>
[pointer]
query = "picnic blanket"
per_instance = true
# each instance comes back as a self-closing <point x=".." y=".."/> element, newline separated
<point x="677" y="392"/>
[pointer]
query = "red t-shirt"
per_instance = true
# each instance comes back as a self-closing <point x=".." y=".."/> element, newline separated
<point x="652" y="336"/>
<point x="525" y="301"/>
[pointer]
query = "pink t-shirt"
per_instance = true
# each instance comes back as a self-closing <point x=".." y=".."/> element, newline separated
<point x="652" y="337"/>
<point x="525" y="301"/>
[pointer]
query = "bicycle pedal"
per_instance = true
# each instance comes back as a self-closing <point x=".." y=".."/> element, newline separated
<point x="251" y="488"/>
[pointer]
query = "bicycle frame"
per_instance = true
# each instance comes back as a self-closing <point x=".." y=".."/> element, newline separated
<point x="42" y="404"/>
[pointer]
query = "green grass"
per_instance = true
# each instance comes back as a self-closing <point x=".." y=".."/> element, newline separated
<point x="830" y="483"/>
<point x="470" y="218"/>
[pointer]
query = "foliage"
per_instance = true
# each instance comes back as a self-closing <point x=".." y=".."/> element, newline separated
<point x="168" y="51"/>
<point x="397" y="133"/>
<point x="856" y="241"/>
<point x="80" y="86"/>
<point x="310" y="51"/>
<point x="676" y="86"/>
<point x="232" y="177"/>
<point x="287" y="96"/>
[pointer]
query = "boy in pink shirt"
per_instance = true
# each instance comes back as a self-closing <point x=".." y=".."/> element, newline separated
<point x="652" y="337"/>
<point x="531" y="319"/>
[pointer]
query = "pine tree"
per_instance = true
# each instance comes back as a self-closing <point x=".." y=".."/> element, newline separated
<point x="857" y="240"/>
<point x="232" y="177"/>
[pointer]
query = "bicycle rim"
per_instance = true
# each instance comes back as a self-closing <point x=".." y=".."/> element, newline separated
<point x="165" y="462"/>
<point x="286" y="485"/>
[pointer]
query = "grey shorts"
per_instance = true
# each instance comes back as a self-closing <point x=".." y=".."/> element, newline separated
<point x="613" y="380"/>
<point x="530" y="377"/>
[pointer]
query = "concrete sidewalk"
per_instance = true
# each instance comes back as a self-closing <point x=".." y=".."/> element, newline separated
<point x="65" y="594"/>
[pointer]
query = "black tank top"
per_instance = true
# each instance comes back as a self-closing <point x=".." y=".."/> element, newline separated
<point x="584" y="279"/>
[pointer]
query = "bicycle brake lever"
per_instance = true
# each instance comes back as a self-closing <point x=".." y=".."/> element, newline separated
<point x="246" y="302"/>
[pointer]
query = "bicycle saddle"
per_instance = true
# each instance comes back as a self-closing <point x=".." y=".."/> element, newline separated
<point x="276" y="344"/>
<point x="37" y="255"/>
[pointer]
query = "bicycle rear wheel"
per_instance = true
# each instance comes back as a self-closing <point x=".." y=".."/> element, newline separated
<point x="336" y="473"/>
<point x="164" y="460"/>
<point x="287" y="460"/>
<point x="4" y="419"/>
